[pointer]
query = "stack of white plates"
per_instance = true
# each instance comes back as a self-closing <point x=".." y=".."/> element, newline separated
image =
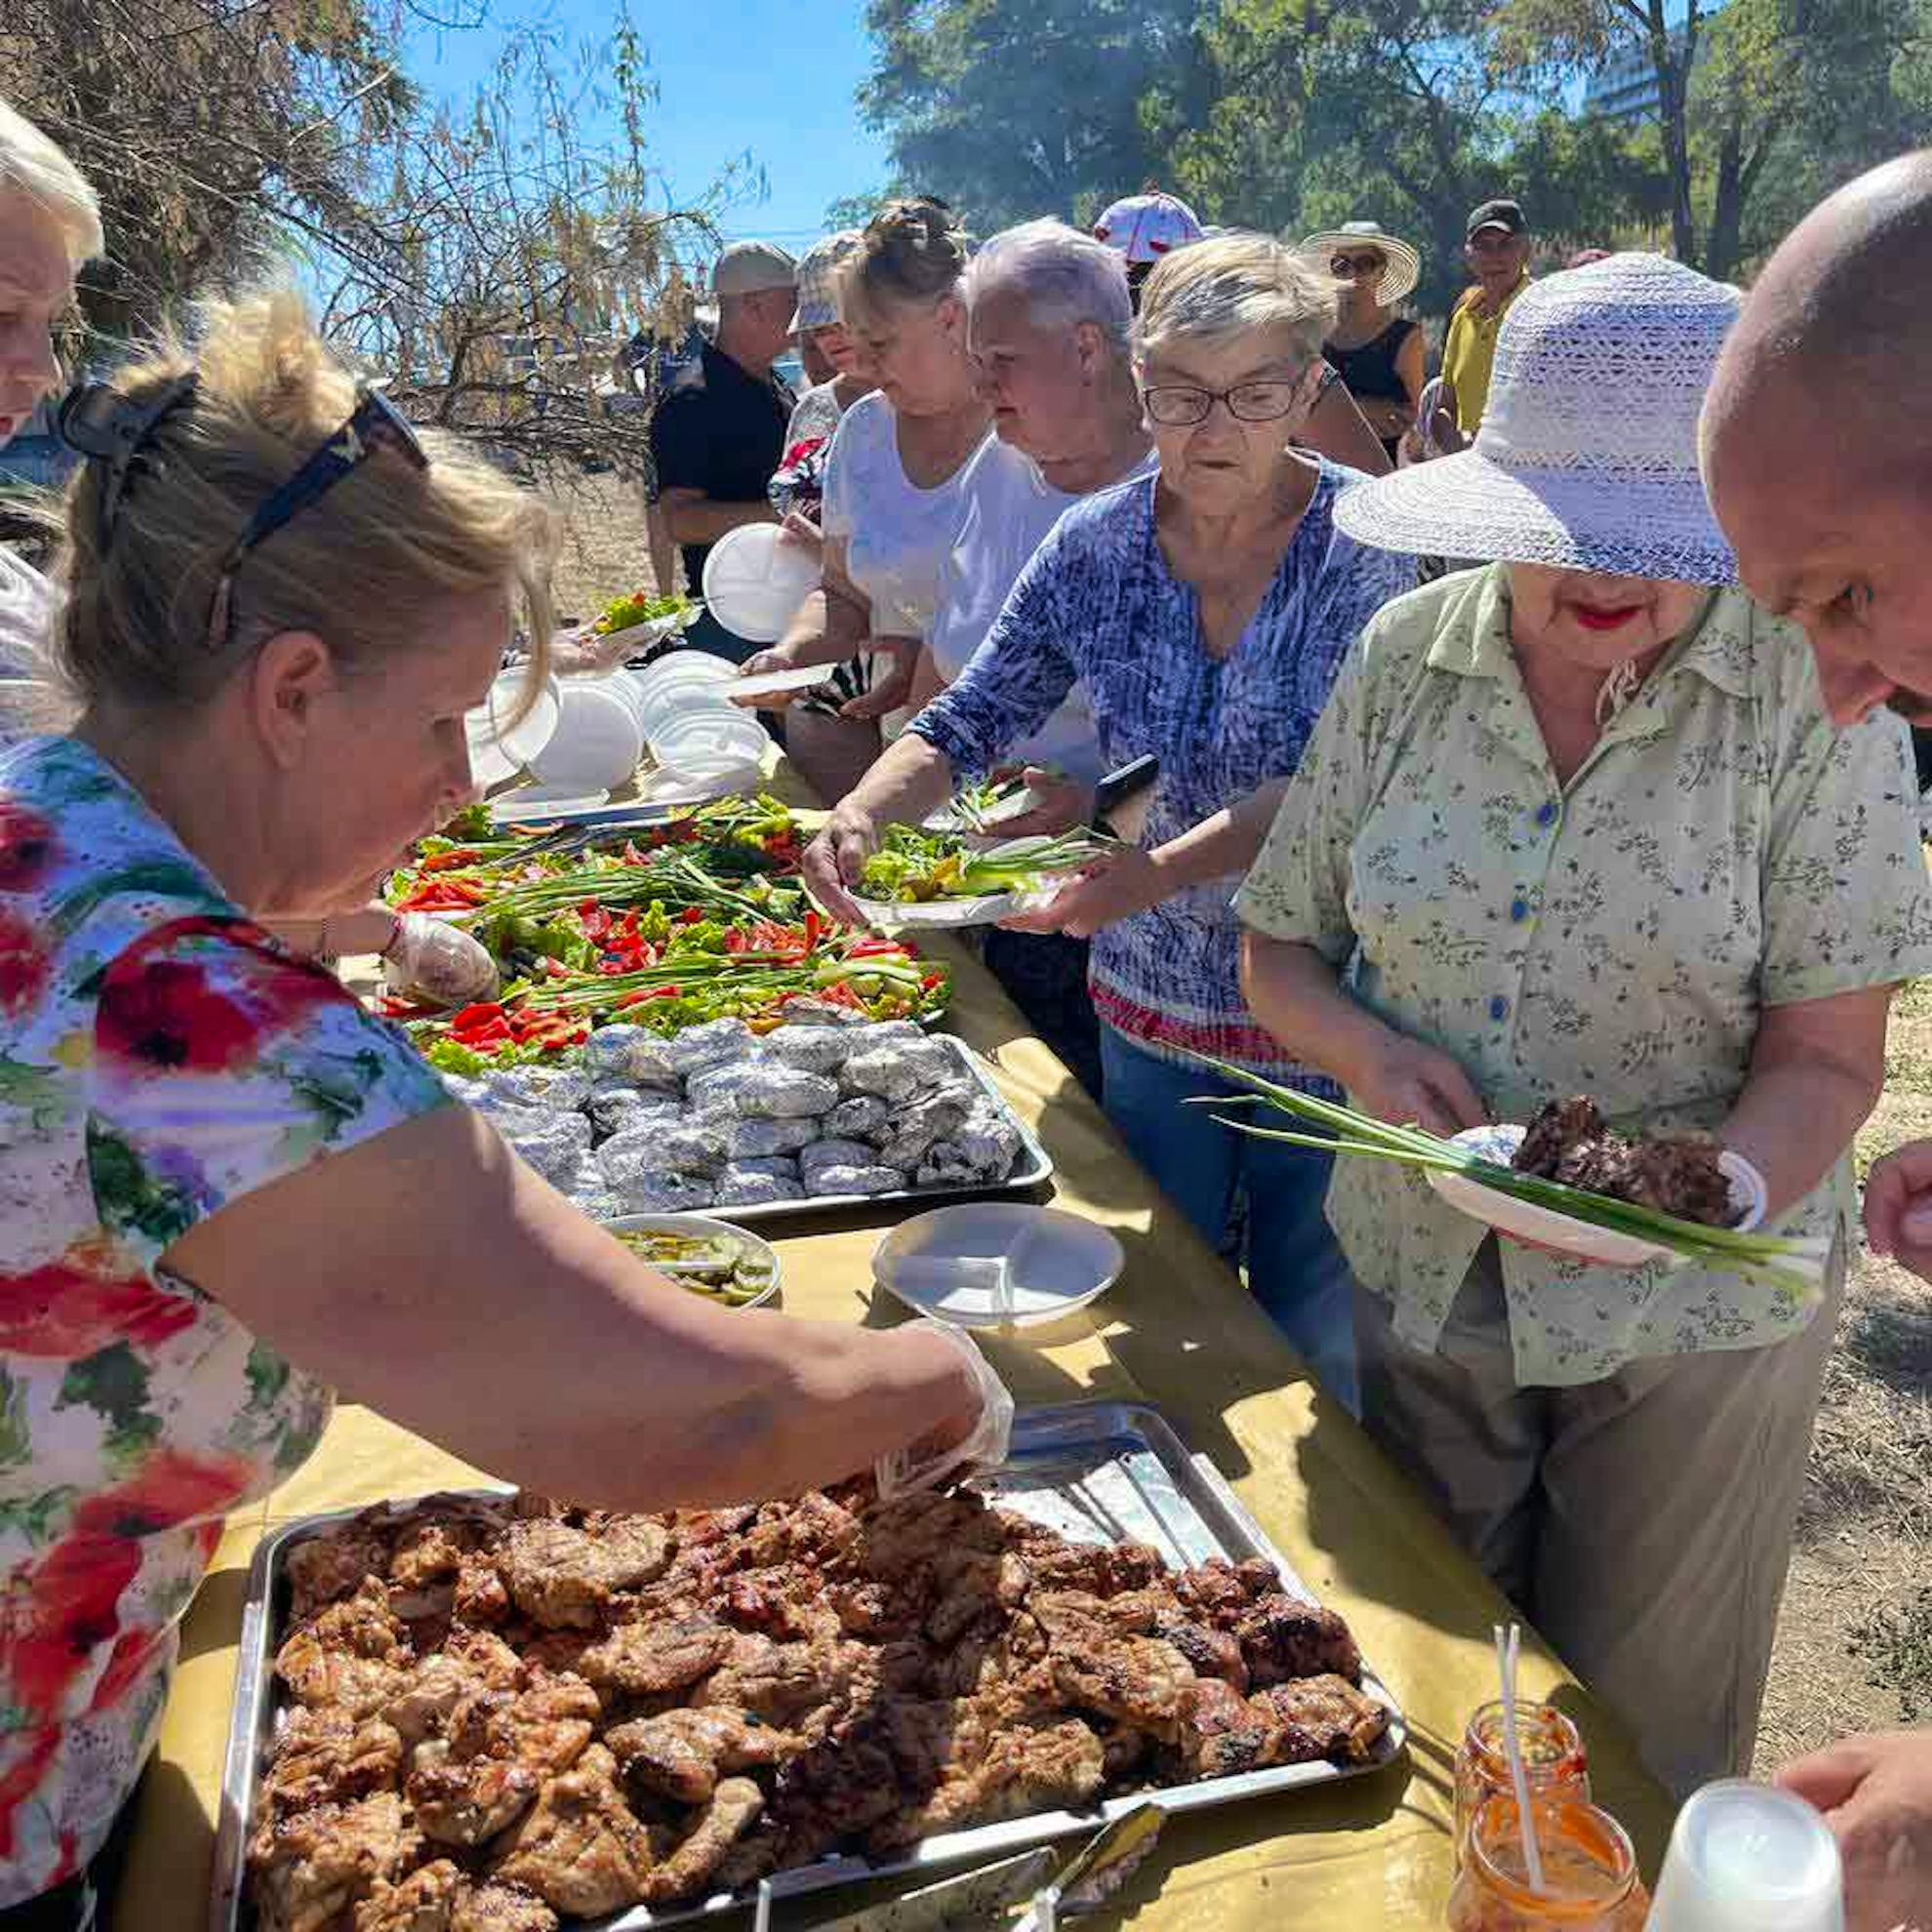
<point x="697" y="737"/>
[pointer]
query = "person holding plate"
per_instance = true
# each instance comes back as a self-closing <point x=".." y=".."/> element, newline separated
<point x="1577" y="824"/>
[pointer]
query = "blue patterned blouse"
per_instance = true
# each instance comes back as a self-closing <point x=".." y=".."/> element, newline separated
<point x="1097" y="605"/>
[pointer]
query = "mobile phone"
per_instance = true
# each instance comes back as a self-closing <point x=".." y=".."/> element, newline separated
<point x="1117" y="792"/>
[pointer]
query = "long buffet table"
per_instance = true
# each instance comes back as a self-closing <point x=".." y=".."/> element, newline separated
<point x="1178" y="1331"/>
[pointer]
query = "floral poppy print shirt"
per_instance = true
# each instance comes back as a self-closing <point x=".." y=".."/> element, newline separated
<point x="160" y="1056"/>
<point x="1723" y="850"/>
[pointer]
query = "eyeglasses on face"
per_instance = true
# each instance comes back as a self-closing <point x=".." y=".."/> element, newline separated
<point x="1355" y="264"/>
<point x="1181" y="405"/>
<point x="376" y="424"/>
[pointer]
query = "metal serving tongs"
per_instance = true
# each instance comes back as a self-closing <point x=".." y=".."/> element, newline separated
<point x="983" y="1897"/>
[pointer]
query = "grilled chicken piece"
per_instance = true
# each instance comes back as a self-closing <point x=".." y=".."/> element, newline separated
<point x="328" y="1756"/>
<point x="470" y="1660"/>
<point x="1224" y="1734"/>
<point x="1325" y="1717"/>
<point x="479" y="1596"/>
<point x="1284" y="1636"/>
<point x="1133" y="1681"/>
<point x="1220" y="1592"/>
<point x="565" y="1578"/>
<point x="312" y="1868"/>
<point x="647" y="1660"/>
<point x="351" y="1656"/>
<point x="1105" y="1569"/>
<point x="424" y="1902"/>
<point x="323" y="1569"/>
<point x="471" y="1784"/>
<point x="493" y="1907"/>
<point x="686" y="1871"/>
<point x="792" y="1684"/>
<point x="683" y="1754"/>
<point x="580" y="1847"/>
<point x="1031" y="1767"/>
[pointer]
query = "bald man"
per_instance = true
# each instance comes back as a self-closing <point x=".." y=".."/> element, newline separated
<point x="1818" y="457"/>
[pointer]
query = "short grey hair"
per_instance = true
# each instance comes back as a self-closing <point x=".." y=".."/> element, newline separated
<point x="1064" y="276"/>
<point x="31" y="165"/>
<point x="1234" y="285"/>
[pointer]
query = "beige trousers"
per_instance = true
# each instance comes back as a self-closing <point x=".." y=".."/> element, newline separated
<point x="1642" y="1523"/>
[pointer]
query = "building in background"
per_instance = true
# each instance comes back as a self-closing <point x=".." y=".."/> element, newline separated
<point x="1625" y="87"/>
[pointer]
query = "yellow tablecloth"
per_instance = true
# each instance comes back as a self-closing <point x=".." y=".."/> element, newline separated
<point x="1178" y="1331"/>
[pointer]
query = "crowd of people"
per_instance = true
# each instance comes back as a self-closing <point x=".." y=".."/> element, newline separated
<point x="1529" y="731"/>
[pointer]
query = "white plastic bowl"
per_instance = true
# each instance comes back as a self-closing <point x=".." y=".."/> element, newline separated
<point x="699" y="743"/>
<point x="498" y="749"/>
<point x="597" y="744"/>
<point x="755" y="584"/>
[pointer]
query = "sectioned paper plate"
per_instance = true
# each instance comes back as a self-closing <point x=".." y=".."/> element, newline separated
<point x="997" y="1264"/>
<point x="988" y="909"/>
<point x="801" y="677"/>
<point x="1563" y="1232"/>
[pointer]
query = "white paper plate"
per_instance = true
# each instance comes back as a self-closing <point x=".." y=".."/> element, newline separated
<point x="701" y="743"/>
<point x="703" y="1225"/>
<point x="500" y="749"/>
<point x="987" y="910"/>
<point x="949" y="1264"/>
<point x="684" y="667"/>
<point x="530" y="804"/>
<point x="1563" y="1232"/>
<point x="755" y="582"/>
<point x="802" y="677"/>
<point x="597" y="744"/>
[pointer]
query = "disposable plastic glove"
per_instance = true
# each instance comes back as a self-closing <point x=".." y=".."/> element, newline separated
<point x="438" y="960"/>
<point x="919" y="1467"/>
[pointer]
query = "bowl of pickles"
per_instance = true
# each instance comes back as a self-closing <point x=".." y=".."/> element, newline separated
<point x="724" y="1264"/>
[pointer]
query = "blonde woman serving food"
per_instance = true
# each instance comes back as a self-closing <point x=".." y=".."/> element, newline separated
<point x="1576" y="824"/>
<point x="223" y="1185"/>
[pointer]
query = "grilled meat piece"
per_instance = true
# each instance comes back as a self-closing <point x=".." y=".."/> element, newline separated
<point x="472" y="1783"/>
<point x="1132" y="1680"/>
<point x="1679" y="1174"/>
<point x="1324" y="1716"/>
<point x="683" y="1754"/>
<point x="471" y="1661"/>
<point x="647" y="1660"/>
<point x="1030" y="1767"/>
<point x="1224" y="1734"/>
<point x="322" y="1569"/>
<point x="686" y="1871"/>
<point x="424" y="1902"/>
<point x="564" y="1577"/>
<point x="493" y="1907"/>
<point x="1556" y="1129"/>
<point x="351" y="1656"/>
<point x="579" y="1847"/>
<point x="1284" y="1636"/>
<point x="1105" y="1569"/>
<point x="328" y="1756"/>
<point x="312" y="1867"/>
<point x="1221" y="1591"/>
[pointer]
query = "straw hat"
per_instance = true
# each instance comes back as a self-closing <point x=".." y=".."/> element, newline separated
<point x="1587" y="458"/>
<point x="1401" y="265"/>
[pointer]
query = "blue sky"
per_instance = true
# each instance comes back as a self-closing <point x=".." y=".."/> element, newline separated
<point x="772" y="76"/>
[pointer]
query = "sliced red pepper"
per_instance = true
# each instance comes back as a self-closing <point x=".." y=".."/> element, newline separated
<point x="477" y="1016"/>
<point x="448" y="862"/>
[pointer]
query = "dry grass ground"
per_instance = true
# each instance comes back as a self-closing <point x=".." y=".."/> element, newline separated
<point x="1856" y="1635"/>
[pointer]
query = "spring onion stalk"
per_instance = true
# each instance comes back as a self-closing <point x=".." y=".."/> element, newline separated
<point x="1795" y="1265"/>
<point x="920" y="867"/>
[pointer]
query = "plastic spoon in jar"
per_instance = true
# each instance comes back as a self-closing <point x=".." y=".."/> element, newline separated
<point x="1513" y="1751"/>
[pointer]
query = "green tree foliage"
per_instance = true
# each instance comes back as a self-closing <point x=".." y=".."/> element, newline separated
<point x="1010" y="109"/>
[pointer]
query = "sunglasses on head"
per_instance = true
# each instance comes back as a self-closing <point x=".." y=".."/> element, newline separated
<point x="1355" y="264"/>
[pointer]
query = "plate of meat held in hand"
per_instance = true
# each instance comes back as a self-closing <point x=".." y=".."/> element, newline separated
<point x="491" y="1710"/>
<point x="1688" y="1174"/>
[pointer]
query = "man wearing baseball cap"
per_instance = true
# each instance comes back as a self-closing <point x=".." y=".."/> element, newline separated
<point x="1143" y="227"/>
<point x="718" y="438"/>
<point x="1497" y="249"/>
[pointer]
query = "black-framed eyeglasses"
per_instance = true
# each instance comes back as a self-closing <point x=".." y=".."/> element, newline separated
<point x="1355" y="264"/>
<point x="1179" y="405"/>
<point x="375" y="425"/>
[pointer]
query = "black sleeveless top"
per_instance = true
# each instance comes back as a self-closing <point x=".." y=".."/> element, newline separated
<point x="1370" y="370"/>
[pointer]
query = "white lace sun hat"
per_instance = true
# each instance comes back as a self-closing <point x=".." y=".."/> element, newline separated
<point x="1587" y="458"/>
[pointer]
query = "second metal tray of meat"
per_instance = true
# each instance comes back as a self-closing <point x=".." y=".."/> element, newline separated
<point x="1096" y="1472"/>
<point x="1033" y="1166"/>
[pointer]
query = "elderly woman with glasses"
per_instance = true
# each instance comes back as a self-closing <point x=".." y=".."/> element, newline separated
<point x="225" y="1187"/>
<point x="1377" y="353"/>
<point x="1205" y="609"/>
<point x="1577" y="825"/>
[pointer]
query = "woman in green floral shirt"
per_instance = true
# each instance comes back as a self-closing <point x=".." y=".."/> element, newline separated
<point x="1576" y="824"/>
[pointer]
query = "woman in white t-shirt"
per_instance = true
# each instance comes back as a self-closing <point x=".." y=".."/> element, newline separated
<point x="893" y="479"/>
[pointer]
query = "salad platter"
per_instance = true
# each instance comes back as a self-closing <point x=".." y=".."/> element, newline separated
<point x="696" y="917"/>
<point x="643" y="616"/>
<point x="925" y="878"/>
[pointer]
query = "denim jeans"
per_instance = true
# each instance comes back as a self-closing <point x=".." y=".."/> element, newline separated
<point x="1257" y="1202"/>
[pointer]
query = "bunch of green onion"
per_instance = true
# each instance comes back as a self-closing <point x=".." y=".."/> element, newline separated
<point x="1795" y="1266"/>
<point x="924" y="865"/>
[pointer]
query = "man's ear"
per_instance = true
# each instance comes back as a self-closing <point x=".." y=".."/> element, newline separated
<point x="1090" y="345"/>
<point x="286" y="679"/>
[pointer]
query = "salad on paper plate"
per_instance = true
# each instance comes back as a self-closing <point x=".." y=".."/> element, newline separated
<point x="926" y="878"/>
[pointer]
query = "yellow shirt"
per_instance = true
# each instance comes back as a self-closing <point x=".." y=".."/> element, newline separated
<point x="1723" y="850"/>
<point x="1468" y="351"/>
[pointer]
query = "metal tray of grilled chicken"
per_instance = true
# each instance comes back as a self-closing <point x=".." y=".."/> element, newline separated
<point x="1098" y="1472"/>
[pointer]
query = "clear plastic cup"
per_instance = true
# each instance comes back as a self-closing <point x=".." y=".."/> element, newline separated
<point x="1749" y="1858"/>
